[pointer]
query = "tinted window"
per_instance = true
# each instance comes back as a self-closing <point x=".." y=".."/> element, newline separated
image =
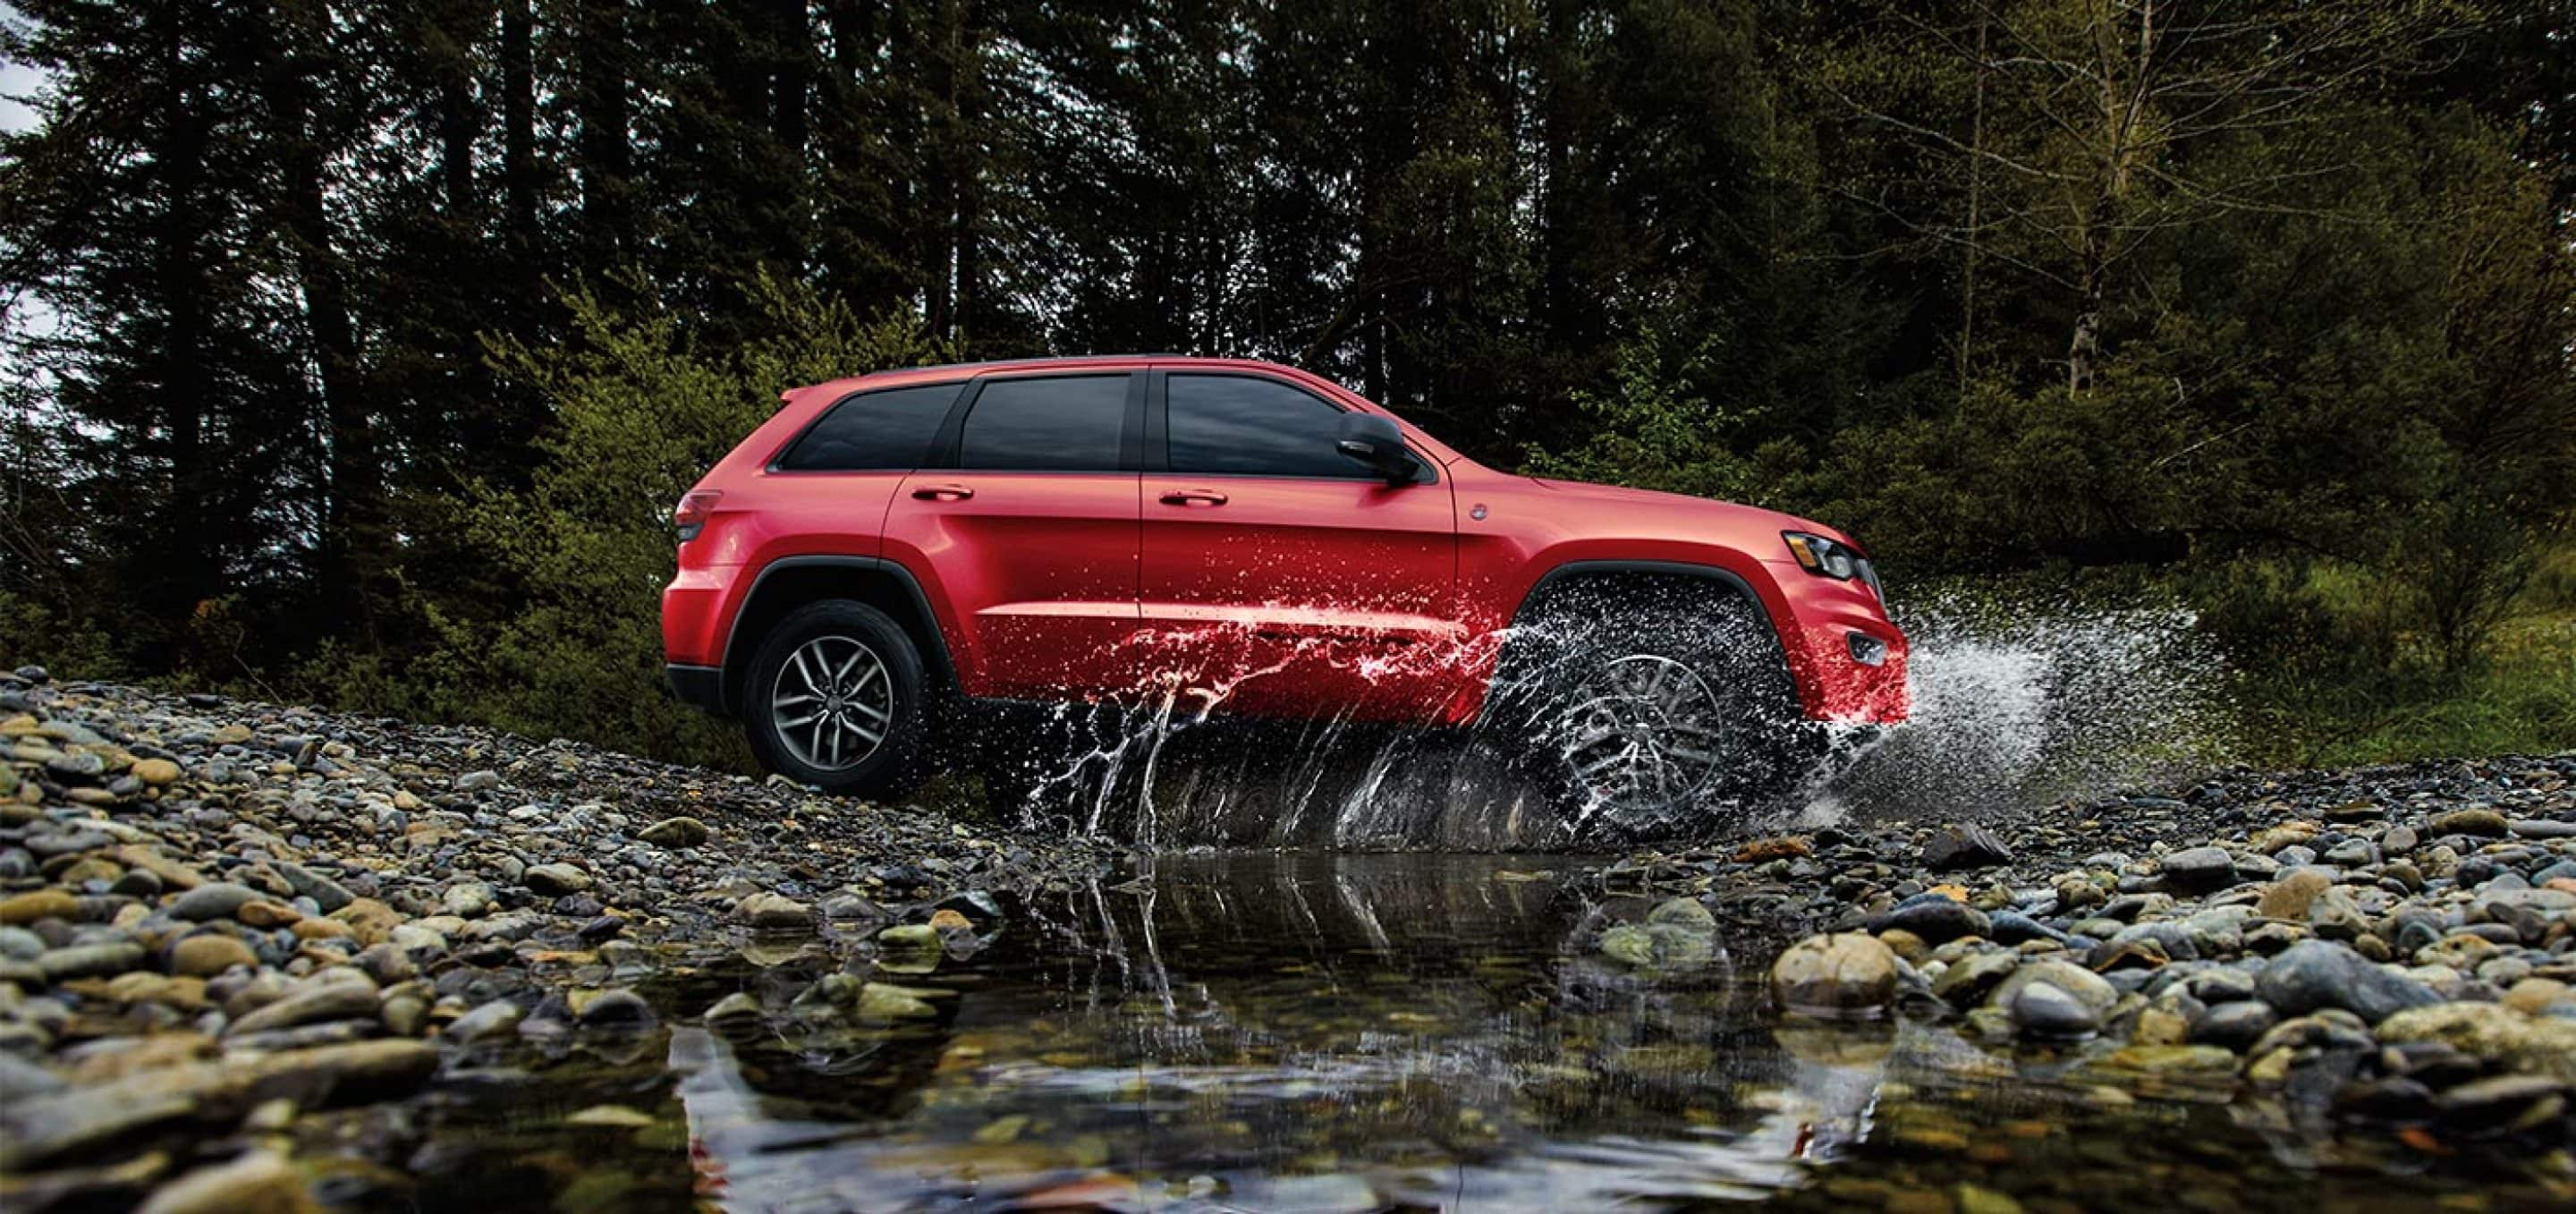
<point x="889" y="429"/>
<point x="1056" y="425"/>
<point x="1260" y="427"/>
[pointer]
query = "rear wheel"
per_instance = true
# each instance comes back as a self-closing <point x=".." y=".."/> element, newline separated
<point x="1655" y="705"/>
<point x="834" y="699"/>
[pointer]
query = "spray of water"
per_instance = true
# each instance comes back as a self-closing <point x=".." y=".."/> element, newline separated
<point x="2019" y="706"/>
<point x="2012" y="707"/>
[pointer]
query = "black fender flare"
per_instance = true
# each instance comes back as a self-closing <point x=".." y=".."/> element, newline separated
<point x="936" y="652"/>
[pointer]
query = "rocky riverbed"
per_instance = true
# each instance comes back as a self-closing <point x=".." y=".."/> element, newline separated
<point x="269" y="958"/>
<point x="218" y="919"/>
<point x="2383" y="952"/>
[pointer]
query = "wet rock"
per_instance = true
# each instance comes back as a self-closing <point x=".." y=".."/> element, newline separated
<point x="2182" y="1061"/>
<point x="492" y="1021"/>
<point x="1961" y="847"/>
<point x="76" y="1120"/>
<point x="1843" y="974"/>
<point x="468" y="900"/>
<point x="1969" y="979"/>
<point x="2290" y="895"/>
<point x="90" y="960"/>
<point x="2492" y="1032"/>
<point x="208" y="954"/>
<point x="260" y="1182"/>
<point x="616" y="1008"/>
<point x="1683" y="912"/>
<point x="2317" y="974"/>
<point x="1658" y="946"/>
<point x="2199" y="868"/>
<point x="774" y="912"/>
<point x="881" y="1002"/>
<point x="910" y="937"/>
<point x="2042" y="1010"/>
<point x="326" y="893"/>
<point x="738" y="1006"/>
<point x="556" y="880"/>
<point x="2234" y="1026"/>
<point x="2485" y="823"/>
<point x="2009" y="927"/>
<point x="1937" y="919"/>
<point x="38" y="905"/>
<point x="336" y="994"/>
<point x="2503" y="1102"/>
<point x="215" y="900"/>
<point x="675" y="833"/>
<point x="2087" y="987"/>
<point x="2392" y="1099"/>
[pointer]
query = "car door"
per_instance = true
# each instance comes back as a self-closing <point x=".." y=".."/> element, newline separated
<point x="1024" y="533"/>
<point x="1280" y="576"/>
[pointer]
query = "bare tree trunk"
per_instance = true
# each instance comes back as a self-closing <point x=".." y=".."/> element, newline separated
<point x="519" y="129"/>
<point x="606" y="158"/>
<point x="354" y="508"/>
<point x="1976" y="205"/>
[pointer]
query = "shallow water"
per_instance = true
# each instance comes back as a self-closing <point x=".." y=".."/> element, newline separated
<point x="1311" y="1031"/>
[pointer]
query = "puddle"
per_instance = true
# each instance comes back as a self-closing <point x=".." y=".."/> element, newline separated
<point x="1313" y="1032"/>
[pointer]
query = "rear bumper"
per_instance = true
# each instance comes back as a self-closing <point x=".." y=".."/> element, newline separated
<point x="700" y="687"/>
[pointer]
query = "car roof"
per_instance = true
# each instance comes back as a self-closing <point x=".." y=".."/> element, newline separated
<point x="897" y="376"/>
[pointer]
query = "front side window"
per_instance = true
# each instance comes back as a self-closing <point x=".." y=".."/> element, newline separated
<point x="1243" y="426"/>
<point x="1054" y="424"/>
<point x="874" y="431"/>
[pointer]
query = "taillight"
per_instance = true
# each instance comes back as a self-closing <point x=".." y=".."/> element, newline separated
<point x="691" y="514"/>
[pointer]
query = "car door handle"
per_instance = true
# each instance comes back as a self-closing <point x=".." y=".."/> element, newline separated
<point x="943" y="493"/>
<point x="1193" y="497"/>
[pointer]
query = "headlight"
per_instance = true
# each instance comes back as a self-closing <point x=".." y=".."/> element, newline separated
<point x="1822" y="556"/>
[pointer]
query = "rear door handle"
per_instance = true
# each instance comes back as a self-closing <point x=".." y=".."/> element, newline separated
<point x="1193" y="497"/>
<point x="943" y="493"/>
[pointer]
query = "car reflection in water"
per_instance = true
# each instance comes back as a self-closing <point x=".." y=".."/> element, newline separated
<point x="1307" y="1031"/>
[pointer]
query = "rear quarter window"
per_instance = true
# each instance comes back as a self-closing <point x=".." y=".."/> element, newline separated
<point x="886" y="430"/>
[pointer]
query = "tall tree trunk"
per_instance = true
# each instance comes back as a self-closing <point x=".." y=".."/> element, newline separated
<point x="352" y="538"/>
<point x="605" y="156"/>
<point x="1976" y="209"/>
<point x="519" y="130"/>
<point x="792" y="80"/>
<point x="457" y="119"/>
<point x="190" y="566"/>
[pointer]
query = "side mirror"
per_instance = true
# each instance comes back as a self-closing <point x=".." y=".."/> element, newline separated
<point x="1375" y="442"/>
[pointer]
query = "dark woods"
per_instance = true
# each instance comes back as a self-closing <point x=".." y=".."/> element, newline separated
<point x="356" y="348"/>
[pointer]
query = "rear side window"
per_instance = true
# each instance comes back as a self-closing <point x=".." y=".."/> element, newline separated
<point x="1237" y="425"/>
<point x="1059" y="424"/>
<point x="888" y="430"/>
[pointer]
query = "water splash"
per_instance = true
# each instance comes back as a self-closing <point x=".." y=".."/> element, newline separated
<point x="2012" y="707"/>
<point x="2019" y="706"/>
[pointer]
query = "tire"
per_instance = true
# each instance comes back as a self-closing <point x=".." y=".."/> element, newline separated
<point x="1654" y="706"/>
<point x="826" y="678"/>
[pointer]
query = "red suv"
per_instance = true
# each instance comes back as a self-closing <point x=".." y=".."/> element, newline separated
<point x="1214" y="535"/>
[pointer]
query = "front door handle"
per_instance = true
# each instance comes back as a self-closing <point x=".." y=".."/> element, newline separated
<point x="1193" y="497"/>
<point x="943" y="493"/>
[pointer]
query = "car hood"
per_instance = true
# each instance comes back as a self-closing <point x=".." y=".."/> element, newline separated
<point x="1620" y="495"/>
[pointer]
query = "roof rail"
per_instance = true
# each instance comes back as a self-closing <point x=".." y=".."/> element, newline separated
<point x="1034" y="358"/>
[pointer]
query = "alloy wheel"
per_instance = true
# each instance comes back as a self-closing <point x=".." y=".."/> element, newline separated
<point x="1645" y="733"/>
<point x="832" y="703"/>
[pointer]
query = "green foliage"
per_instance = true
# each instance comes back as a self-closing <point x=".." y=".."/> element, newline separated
<point x="641" y="410"/>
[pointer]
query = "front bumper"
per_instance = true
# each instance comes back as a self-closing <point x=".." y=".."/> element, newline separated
<point x="700" y="687"/>
<point x="1834" y="684"/>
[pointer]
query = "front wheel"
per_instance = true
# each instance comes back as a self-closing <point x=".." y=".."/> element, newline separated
<point x="1658" y="707"/>
<point x="834" y="699"/>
